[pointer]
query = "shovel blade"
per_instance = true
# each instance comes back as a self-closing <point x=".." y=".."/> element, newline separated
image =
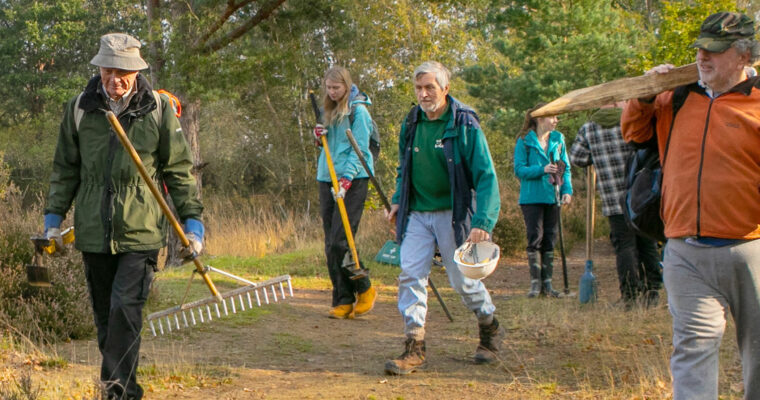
<point x="38" y="276"/>
<point x="356" y="271"/>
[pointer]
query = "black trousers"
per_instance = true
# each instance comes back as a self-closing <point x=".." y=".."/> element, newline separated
<point x="541" y="224"/>
<point x="336" y="245"/>
<point x="119" y="285"/>
<point x="638" y="263"/>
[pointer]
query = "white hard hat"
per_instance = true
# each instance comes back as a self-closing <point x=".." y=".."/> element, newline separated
<point x="477" y="260"/>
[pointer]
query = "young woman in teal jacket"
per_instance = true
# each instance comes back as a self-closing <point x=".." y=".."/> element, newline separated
<point x="542" y="166"/>
<point x="349" y="297"/>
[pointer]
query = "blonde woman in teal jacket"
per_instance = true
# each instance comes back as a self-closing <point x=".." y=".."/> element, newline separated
<point x="350" y="297"/>
<point x="542" y="166"/>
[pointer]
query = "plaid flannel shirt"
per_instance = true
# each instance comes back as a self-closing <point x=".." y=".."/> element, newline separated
<point x="606" y="149"/>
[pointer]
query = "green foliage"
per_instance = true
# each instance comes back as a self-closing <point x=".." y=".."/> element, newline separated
<point x="679" y="28"/>
<point x="548" y="49"/>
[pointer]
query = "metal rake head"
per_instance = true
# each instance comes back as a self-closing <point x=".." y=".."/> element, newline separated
<point x="205" y="310"/>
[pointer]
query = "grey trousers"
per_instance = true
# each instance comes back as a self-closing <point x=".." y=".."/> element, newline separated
<point x="704" y="284"/>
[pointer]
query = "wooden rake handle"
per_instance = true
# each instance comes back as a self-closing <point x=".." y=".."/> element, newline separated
<point x="116" y="125"/>
<point x="341" y="204"/>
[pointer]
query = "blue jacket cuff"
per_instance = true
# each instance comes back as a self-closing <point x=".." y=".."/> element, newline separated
<point x="196" y="227"/>
<point x="52" y="221"/>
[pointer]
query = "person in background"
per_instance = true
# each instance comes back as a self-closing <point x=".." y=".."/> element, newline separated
<point x="444" y="162"/>
<point x="119" y="226"/>
<point x="710" y="152"/>
<point x="350" y="297"/>
<point x="599" y="142"/>
<point x="541" y="165"/>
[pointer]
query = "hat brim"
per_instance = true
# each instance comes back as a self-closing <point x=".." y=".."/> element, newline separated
<point x="123" y="63"/>
<point x="713" y="45"/>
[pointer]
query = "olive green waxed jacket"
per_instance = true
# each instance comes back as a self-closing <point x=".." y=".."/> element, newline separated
<point x="114" y="210"/>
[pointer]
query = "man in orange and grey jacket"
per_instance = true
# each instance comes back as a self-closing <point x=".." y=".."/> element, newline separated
<point x="710" y="151"/>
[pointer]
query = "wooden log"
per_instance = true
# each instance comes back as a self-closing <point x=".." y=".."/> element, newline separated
<point x="619" y="90"/>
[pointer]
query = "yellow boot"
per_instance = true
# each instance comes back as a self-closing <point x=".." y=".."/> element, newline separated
<point x="366" y="301"/>
<point x="343" y="311"/>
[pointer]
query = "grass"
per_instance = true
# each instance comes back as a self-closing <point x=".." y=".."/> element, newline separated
<point x="556" y="349"/>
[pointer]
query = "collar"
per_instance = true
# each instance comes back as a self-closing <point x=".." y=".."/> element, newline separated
<point x="744" y="87"/>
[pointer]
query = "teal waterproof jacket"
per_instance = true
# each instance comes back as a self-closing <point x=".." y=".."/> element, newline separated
<point x="344" y="158"/>
<point x="475" y="201"/>
<point x="114" y="209"/>
<point x="530" y="160"/>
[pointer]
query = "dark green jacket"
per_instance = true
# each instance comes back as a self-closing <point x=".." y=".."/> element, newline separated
<point x="114" y="210"/>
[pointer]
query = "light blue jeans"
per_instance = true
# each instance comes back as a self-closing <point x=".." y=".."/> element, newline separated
<point x="704" y="284"/>
<point x="423" y="231"/>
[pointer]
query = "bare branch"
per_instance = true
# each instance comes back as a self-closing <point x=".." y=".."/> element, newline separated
<point x="264" y="13"/>
<point x="228" y="11"/>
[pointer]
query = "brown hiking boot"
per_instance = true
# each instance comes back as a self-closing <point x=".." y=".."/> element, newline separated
<point x="343" y="311"/>
<point x="491" y="337"/>
<point x="365" y="301"/>
<point x="412" y="359"/>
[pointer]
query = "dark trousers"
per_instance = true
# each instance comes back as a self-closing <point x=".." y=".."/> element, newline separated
<point x="541" y="226"/>
<point x="119" y="285"/>
<point x="336" y="245"/>
<point x="638" y="263"/>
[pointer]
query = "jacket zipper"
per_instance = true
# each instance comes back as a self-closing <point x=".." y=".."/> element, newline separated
<point x="701" y="165"/>
<point x="107" y="205"/>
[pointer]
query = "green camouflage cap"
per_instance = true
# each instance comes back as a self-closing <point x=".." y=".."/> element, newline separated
<point x="721" y="29"/>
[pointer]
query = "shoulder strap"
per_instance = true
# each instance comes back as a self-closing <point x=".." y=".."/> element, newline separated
<point x="158" y="112"/>
<point x="679" y="98"/>
<point x="78" y="112"/>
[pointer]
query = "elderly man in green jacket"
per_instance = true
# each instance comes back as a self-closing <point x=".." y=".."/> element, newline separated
<point x="446" y="194"/>
<point x="119" y="225"/>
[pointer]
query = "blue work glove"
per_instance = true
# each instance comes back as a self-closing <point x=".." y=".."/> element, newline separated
<point x="194" y="231"/>
<point x="53" y="229"/>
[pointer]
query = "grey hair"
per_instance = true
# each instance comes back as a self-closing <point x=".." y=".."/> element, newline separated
<point x="748" y="45"/>
<point x="442" y="74"/>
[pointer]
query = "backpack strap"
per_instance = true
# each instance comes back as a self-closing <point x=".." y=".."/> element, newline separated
<point x="78" y="112"/>
<point x="158" y="113"/>
<point x="679" y="98"/>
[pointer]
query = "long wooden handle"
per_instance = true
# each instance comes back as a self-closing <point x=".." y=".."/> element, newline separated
<point x="590" y="217"/>
<point x="619" y="90"/>
<point x="116" y="125"/>
<point x="341" y="204"/>
<point x="372" y="179"/>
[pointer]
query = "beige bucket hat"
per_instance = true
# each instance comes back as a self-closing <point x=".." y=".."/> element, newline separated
<point x="119" y="50"/>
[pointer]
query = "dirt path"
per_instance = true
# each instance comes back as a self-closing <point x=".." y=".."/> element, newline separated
<point x="295" y="351"/>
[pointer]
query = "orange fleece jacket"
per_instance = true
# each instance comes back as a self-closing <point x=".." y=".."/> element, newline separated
<point x="711" y="177"/>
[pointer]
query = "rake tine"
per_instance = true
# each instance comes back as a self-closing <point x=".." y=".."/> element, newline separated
<point x="282" y="291"/>
<point x="176" y="321"/>
<point x="290" y="287"/>
<point x="266" y="297"/>
<point x="242" y="303"/>
<point x="192" y="317"/>
<point x="258" y="299"/>
<point x="250" y="303"/>
<point x="161" y="327"/>
<point x="274" y="293"/>
<point x="152" y="328"/>
<point x="224" y="307"/>
<point x="184" y="318"/>
<point x="232" y="304"/>
<point x="168" y="324"/>
<point x="216" y="308"/>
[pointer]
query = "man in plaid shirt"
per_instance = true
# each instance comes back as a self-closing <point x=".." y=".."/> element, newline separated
<point x="600" y="142"/>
